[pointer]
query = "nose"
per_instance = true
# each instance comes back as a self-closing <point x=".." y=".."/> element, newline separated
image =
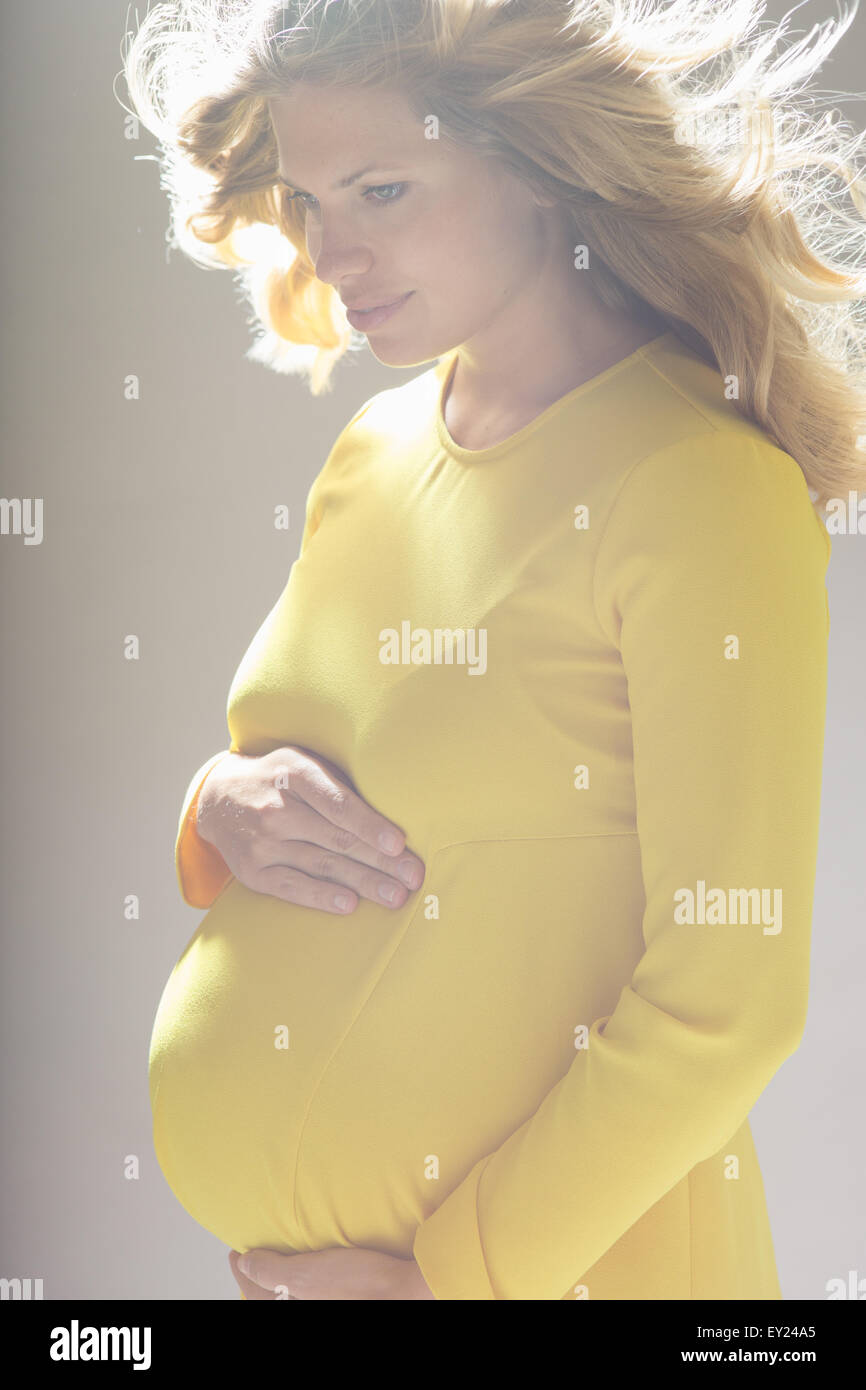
<point x="336" y="251"/>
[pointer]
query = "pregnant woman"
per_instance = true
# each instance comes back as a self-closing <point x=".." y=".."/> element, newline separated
<point x="558" y="620"/>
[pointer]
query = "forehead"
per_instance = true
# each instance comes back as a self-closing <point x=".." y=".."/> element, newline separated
<point x="325" y="134"/>
<point x="309" y="117"/>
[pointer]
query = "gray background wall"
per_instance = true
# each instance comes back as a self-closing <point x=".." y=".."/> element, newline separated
<point x="158" y="521"/>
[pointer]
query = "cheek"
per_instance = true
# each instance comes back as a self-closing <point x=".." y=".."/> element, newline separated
<point x="445" y="246"/>
<point x="479" y="244"/>
<point x="474" y="256"/>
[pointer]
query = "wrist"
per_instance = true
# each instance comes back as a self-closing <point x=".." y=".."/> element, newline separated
<point x="205" y="801"/>
<point x="198" y="820"/>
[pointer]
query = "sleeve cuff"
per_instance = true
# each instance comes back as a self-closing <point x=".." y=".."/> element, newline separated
<point x="202" y="872"/>
<point x="448" y="1247"/>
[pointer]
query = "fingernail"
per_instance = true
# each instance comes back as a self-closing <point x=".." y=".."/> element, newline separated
<point x="244" y="1264"/>
<point x="389" y="841"/>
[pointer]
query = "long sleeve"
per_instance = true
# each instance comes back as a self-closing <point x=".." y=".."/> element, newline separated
<point x="709" y="581"/>
<point x="202" y="872"/>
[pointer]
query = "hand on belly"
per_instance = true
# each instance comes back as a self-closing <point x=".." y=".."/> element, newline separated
<point x="287" y="823"/>
<point x="337" y="1273"/>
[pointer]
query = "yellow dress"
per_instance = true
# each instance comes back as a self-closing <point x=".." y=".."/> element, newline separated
<point x="536" y="1075"/>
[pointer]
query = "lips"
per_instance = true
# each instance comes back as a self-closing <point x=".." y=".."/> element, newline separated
<point x="378" y="304"/>
<point x="366" y="320"/>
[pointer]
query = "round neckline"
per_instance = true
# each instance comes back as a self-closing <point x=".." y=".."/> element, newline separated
<point x="447" y="367"/>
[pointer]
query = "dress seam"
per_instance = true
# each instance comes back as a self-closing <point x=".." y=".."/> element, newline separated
<point x="484" y="1259"/>
<point x="328" y="1064"/>
<point x="683" y="395"/>
<point x="535" y="839"/>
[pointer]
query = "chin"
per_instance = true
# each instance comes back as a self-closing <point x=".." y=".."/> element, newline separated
<point x="400" y="355"/>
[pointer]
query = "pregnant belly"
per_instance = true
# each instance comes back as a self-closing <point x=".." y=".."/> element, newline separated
<point x="319" y="1080"/>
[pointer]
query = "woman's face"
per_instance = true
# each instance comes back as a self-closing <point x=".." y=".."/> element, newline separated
<point x="456" y="232"/>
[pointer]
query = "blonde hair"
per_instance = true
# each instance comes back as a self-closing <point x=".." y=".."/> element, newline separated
<point x="698" y="180"/>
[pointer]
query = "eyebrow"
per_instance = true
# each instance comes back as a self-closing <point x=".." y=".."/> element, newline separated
<point x="341" y="183"/>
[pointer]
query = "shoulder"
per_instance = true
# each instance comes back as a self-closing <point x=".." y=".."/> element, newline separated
<point x="713" y="471"/>
<point x="389" y="416"/>
<point x="391" y="408"/>
<point x="721" y="513"/>
<point x="694" y="459"/>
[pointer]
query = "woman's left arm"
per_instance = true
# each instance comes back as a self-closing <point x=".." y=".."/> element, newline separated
<point x="710" y="581"/>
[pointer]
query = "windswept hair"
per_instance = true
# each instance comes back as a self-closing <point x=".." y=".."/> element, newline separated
<point x="699" y="175"/>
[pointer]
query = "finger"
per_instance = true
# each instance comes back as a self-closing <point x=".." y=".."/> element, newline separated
<point x="250" y="1290"/>
<point x="276" y="1273"/>
<point x="310" y="827"/>
<point x="335" y="872"/>
<point x="292" y="886"/>
<point x="340" y="805"/>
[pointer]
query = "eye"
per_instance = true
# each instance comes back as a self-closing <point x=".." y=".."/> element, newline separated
<point x="377" y="188"/>
<point x="310" y="202"/>
<point x="301" y="197"/>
